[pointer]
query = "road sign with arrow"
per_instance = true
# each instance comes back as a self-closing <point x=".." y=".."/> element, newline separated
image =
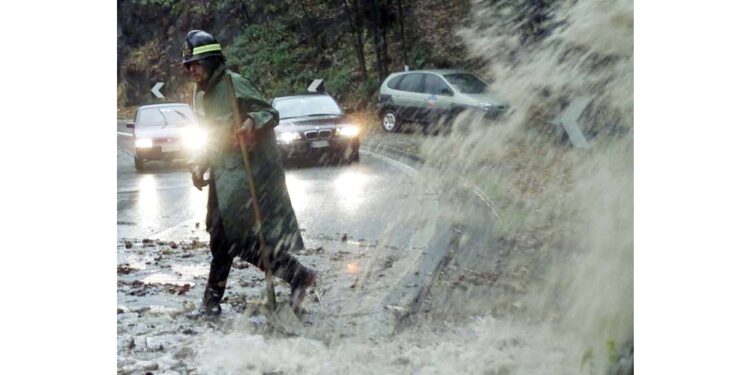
<point x="568" y="120"/>
<point x="316" y="86"/>
<point x="156" y="92"/>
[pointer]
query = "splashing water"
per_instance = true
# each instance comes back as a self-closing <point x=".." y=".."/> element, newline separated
<point x="567" y="214"/>
<point x="482" y="345"/>
<point x="548" y="286"/>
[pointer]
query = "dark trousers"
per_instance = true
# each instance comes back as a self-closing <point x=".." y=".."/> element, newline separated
<point x="283" y="265"/>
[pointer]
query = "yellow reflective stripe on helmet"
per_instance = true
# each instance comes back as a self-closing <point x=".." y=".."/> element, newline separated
<point x="207" y="48"/>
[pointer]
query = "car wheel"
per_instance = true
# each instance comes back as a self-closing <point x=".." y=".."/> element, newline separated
<point x="390" y="121"/>
<point x="354" y="157"/>
<point x="139" y="164"/>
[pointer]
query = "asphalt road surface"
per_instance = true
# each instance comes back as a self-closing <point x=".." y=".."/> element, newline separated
<point x="364" y="226"/>
<point x="360" y="200"/>
<point x="374" y="234"/>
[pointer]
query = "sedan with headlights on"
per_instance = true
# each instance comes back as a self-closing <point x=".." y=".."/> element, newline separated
<point x="313" y="126"/>
<point x="165" y="132"/>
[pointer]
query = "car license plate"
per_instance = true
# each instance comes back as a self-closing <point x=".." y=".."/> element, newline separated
<point x="170" y="148"/>
<point x="319" y="144"/>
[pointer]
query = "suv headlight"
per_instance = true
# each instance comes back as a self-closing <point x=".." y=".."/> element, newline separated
<point x="348" y="131"/>
<point x="288" y="137"/>
<point x="144" y="143"/>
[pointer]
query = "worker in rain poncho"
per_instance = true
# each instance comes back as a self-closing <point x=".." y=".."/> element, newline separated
<point x="230" y="220"/>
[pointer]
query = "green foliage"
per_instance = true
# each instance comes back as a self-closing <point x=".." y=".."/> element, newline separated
<point x="280" y="45"/>
<point x="161" y="3"/>
<point x="613" y="355"/>
<point x="419" y="57"/>
<point x="270" y="57"/>
<point x="266" y="55"/>
<point x="586" y="359"/>
<point x="612" y="352"/>
<point x="337" y="80"/>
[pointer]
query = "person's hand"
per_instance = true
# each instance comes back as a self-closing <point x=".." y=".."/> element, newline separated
<point x="196" y="173"/>
<point x="246" y="131"/>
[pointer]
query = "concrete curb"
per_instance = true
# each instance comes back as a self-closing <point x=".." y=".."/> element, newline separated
<point x="393" y="152"/>
<point x="413" y="292"/>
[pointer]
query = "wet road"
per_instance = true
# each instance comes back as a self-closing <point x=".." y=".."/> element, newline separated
<point x="359" y="200"/>
<point x="366" y="282"/>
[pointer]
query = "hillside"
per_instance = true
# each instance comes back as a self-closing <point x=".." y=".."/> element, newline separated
<point x="282" y="45"/>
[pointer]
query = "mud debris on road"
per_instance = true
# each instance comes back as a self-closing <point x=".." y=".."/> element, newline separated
<point x="157" y="285"/>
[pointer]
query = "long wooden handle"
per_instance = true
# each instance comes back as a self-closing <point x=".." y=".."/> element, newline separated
<point x="265" y="256"/>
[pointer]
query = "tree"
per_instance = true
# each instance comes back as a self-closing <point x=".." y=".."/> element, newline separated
<point x="378" y="24"/>
<point x="355" y="24"/>
<point x="403" y="38"/>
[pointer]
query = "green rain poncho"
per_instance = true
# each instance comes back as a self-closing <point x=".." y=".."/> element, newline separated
<point x="229" y="187"/>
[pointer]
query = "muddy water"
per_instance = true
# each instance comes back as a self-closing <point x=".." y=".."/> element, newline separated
<point x="547" y="289"/>
<point x="561" y="256"/>
<point x="165" y="280"/>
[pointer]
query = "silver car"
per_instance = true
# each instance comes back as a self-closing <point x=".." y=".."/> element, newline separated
<point x="165" y="132"/>
<point x="434" y="96"/>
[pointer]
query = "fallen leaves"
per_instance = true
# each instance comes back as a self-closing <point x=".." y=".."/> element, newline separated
<point x="339" y="255"/>
<point x="176" y="289"/>
<point x="141" y="289"/>
<point x="124" y="269"/>
<point x="193" y="245"/>
<point x="317" y="250"/>
<point x="166" y="251"/>
<point x="183" y="289"/>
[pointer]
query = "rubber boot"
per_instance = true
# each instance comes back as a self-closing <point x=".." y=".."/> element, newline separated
<point x="304" y="278"/>
<point x="211" y="305"/>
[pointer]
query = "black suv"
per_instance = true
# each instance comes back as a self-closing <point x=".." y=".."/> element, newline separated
<point x="312" y="125"/>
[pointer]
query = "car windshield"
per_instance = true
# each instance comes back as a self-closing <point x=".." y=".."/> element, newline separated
<point x="163" y="116"/>
<point x="467" y="83"/>
<point x="300" y="106"/>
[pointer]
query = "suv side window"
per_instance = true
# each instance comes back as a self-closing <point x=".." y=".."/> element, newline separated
<point x="393" y="84"/>
<point x="412" y="82"/>
<point x="435" y="85"/>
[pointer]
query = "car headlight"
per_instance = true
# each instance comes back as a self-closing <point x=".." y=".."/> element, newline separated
<point x="194" y="138"/>
<point x="349" y="131"/>
<point x="144" y="143"/>
<point x="288" y="137"/>
<point x="485" y="106"/>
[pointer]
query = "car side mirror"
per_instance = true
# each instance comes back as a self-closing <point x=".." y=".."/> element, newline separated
<point x="130" y="125"/>
<point x="446" y="92"/>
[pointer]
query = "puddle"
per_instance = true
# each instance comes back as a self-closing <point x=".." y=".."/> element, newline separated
<point x="192" y="270"/>
<point x="165" y="278"/>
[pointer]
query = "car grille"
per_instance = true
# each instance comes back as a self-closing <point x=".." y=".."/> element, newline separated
<point x="318" y="134"/>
